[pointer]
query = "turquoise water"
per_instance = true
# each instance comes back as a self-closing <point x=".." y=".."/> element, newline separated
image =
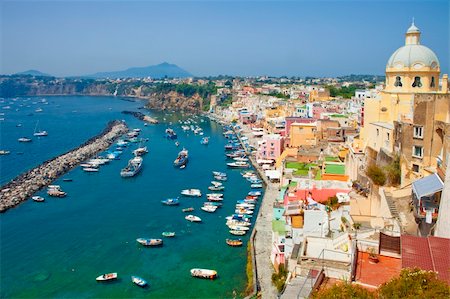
<point x="56" y="249"/>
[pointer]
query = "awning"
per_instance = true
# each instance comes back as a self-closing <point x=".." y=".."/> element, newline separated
<point x="427" y="186"/>
<point x="273" y="174"/>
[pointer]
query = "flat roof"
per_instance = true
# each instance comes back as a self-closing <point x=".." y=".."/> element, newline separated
<point x="332" y="168"/>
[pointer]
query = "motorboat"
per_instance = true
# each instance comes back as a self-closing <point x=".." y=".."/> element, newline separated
<point x="238" y="232"/>
<point x="241" y="159"/>
<point x="204" y="141"/>
<point x="55" y="191"/>
<point x="209" y="209"/>
<point x="220" y="178"/>
<point x="238" y="227"/>
<point x="140" y="151"/>
<point x="139" y="281"/>
<point x="171" y="202"/>
<point x="38" y="198"/>
<point x="217" y="184"/>
<point x="217" y="173"/>
<point x="234" y="243"/>
<point x="238" y="164"/>
<point x="106" y="277"/>
<point x="216" y="204"/>
<point x="193" y="218"/>
<point x="39" y="133"/>
<point x="134" y="167"/>
<point x="150" y="242"/>
<point x="216" y="188"/>
<point x="24" y="139"/>
<point x="170" y="134"/>
<point x="215" y="198"/>
<point x="191" y="192"/>
<point x="4" y="152"/>
<point x="204" y="273"/>
<point x="182" y="158"/>
<point x="168" y="234"/>
<point x="190" y="209"/>
<point x="254" y="193"/>
<point x="90" y="169"/>
<point x="256" y="186"/>
<point x="214" y="195"/>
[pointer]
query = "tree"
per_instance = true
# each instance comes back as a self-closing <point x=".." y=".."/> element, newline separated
<point x="393" y="171"/>
<point x="343" y="290"/>
<point x="414" y="283"/>
<point x="376" y="174"/>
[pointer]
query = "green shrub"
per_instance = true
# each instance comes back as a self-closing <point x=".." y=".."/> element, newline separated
<point x="376" y="174"/>
<point x="279" y="278"/>
<point x="394" y="172"/>
<point x="343" y="291"/>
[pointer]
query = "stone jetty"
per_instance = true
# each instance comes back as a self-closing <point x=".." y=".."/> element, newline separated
<point x="23" y="186"/>
<point x="142" y="116"/>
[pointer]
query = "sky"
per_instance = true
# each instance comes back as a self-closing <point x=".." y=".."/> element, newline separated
<point x="207" y="38"/>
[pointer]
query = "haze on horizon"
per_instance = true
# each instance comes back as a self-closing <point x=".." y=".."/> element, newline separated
<point x="292" y="38"/>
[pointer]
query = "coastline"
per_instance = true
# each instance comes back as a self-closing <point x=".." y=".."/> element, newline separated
<point x="261" y="237"/>
<point x="26" y="184"/>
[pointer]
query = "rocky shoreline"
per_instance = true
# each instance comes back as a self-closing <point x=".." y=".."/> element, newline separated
<point x="142" y="116"/>
<point x="23" y="186"/>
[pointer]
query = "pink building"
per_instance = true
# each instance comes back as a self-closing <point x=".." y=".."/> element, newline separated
<point x="317" y="111"/>
<point x="271" y="147"/>
<point x="247" y="117"/>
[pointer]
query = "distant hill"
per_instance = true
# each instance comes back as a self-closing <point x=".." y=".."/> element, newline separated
<point x="155" y="71"/>
<point x="34" y="73"/>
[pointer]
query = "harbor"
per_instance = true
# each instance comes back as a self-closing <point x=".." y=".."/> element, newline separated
<point x="25" y="185"/>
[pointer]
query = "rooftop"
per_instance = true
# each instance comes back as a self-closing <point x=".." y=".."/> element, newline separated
<point x="373" y="275"/>
<point x="334" y="168"/>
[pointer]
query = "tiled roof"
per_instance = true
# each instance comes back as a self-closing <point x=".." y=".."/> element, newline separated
<point x="430" y="253"/>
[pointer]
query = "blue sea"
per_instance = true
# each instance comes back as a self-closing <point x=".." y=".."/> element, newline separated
<point x="57" y="248"/>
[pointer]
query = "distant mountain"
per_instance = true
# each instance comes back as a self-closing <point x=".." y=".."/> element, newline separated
<point x="155" y="71"/>
<point x="34" y="73"/>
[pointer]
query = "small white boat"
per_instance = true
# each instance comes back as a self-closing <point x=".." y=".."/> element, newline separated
<point x="217" y="184"/>
<point x="24" y="139"/>
<point x="193" y="218"/>
<point x="256" y="186"/>
<point x="217" y="173"/>
<point x="204" y="273"/>
<point x="4" y="152"/>
<point x="139" y="281"/>
<point x="238" y="232"/>
<point x="214" y="195"/>
<point x="191" y="192"/>
<point x="238" y="227"/>
<point x="238" y="164"/>
<point x="240" y="159"/>
<point x="216" y="188"/>
<point x="90" y="169"/>
<point x="140" y="151"/>
<point x="150" y="242"/>
<point x="107" y="276"/>
<point x="209" y="209"/>
<point x="38" y="198"/>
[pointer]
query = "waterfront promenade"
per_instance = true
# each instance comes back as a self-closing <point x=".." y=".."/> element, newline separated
<point x="25" y="185"/>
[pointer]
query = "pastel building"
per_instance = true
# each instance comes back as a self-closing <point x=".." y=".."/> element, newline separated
<point x="302" y="134"/>
<point x="271" y="147"/>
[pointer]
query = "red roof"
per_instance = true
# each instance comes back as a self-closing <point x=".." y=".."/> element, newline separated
<point x="430" y="253"/>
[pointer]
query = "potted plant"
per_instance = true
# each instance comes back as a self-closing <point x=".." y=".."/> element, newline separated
<point x="373" y="256"/>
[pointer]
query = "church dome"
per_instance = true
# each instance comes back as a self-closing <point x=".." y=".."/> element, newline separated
<point x="412" y="55"/>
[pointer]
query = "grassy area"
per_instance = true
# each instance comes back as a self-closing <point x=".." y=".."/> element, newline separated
<point x="332" y="159"/>
<point x="301" y="168"/>
<point x="318" y="175"/>
<point x="292" y="184"/>
<point x="334" y="168"/>
<point x="249" y="270"/>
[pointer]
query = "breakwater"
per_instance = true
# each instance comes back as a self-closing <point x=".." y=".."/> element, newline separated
<point x="142" y="116"/>
<point x="23" y="186"/>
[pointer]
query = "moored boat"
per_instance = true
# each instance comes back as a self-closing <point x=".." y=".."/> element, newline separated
<point x="216" y="188"/>
<point x="170" y="134"/>
<point x="149" y="242"/>
<point x="238" y="232"/>
<point x="256" y="186"/>
<point x="204" y="273"/>
<point x="139" y="281"/>
<point x="190" y="209"/>
<point x="234" y="243"/>
<point x="205" y="140"/>
<point x="38" y="198"/>
<point x="209" y="209"/>
<point x="182" y="159"/>
<point x="168" y="234"/>
<point x="140" y="151"/>
<point x="171" y="201"/>
<point x="106" y="277"/>
<point x="134" y="167"/>
<point x="238" y="164"/>
<point x="193" y="218"/>
<point x="24" y="139"/>
<point x="191" y="192"/>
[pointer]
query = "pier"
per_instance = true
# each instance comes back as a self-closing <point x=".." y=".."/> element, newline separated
<point x="142" y="116"/>
<point x="25" y="185"/>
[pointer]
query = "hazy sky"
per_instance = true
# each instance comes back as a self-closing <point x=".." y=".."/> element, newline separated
<point x="317" y="38"/>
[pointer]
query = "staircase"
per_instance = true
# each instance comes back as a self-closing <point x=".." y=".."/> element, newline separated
<point x="392" y="206"/>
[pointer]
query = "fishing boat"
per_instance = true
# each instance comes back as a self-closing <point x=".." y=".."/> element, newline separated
<point x="204" y="273"/>
<point x="55" y="191"/>
<point x="168" y="234"/>
<point x="191" y="192"/>
<point x="140" y="151"/>
<point x="38" y="198"/>
<point x="193" y="218"/>
<point x="238" y="164"/>
<point x="106" y="277"/>
<point x="39" y="133"/>
<point x="204" y="141"/>
<point x="182" y="158"/>
<point x="187" y="209"/>
<point x="171" y="202"/>
<point x="133" y="167"/>
<point x="209" y="209"/>
<point x="238" y="232"/>
<point x="150" y="242"/>
<point x="170" y="134"/>
<point x="24" y="139"/>
<point x="234" y="243"/>
<point x="139" y="281"/>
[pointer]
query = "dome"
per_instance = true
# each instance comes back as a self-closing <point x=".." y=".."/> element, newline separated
<point x="413" y="29"/>
<point x="413" y="56"/>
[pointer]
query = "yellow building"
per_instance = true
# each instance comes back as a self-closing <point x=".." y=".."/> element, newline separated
<point x="303" y="134"/>
<point x="401" y="120"/>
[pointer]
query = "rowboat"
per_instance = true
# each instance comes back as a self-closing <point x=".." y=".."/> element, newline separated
<point x="107" y="276"/>
<point x="204" y="273"/>
<point x="38" y="198"/>
<point x="150" y="242"/>
<point x="193" y="218"/>
<point x="188" y="209"/>
<point x="168" y="234"/>
<point x="139" y="281"/>
<point x="238" y="232"/>
<point x="234" y="243"/>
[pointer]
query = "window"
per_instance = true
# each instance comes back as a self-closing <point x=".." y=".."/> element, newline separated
<point x="417" y="151"/>
<point x="415" y="167"/>
<point x="398" y="82"/>
<point x="388" y="135"/>
<point x="417" y="82"/>
<point x="378" y="132"/>
<point x="432" y="83"/>
<point x="418" y="132"/>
